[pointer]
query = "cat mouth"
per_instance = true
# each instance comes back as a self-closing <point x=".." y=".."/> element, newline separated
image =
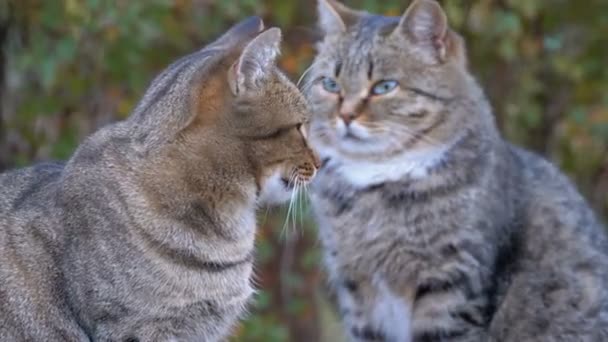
<point x="351" y="136"/>
<point x="287" y="184"/>
<point x="298" y="181"/>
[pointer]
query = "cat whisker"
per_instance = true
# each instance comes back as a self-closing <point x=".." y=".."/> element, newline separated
<point x="305" y="209"/>
<point x="294" y="213"/>
<point x="319" y="134"/>
<point x="292" y="179"/>
<point x="428" y="139"/>
<point x="299" y="199"/>
<point x="402" y="130"/>
<point x="304" y="76"/>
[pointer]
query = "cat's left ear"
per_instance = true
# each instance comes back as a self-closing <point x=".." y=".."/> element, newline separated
<point x="425" y="24"/>
<point x="335" y="17"/>
<point x="256" y="62"/>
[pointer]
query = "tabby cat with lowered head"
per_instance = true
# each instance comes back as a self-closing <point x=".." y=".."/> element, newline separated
<point x="434" y="227"/>
<point x="147" y="232"/>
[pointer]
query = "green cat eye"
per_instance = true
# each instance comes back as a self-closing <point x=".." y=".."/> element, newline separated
<point x="330" y="85"/>
<point x="384" y="87"/>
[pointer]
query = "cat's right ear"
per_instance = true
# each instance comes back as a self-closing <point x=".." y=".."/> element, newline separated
<point x="425" y="24"/>
<point x="334" y="17"/>
<point x="255" y="63"/>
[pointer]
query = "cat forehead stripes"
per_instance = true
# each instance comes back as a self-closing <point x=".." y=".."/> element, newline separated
<point x="355" y="49"/>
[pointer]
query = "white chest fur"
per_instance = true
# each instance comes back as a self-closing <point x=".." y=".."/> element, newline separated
<point x="384" y="311"/>
<point x="360" y="173"/>
<point x="391" y="313"/>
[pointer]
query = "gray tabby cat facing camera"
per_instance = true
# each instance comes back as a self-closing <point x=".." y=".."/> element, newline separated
<point x="434" y="227"/>
<point x="147" y="232"/>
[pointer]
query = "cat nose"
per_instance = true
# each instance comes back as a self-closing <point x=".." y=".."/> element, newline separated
<point x="316" y="160"/>
<point x="348" y="117"/>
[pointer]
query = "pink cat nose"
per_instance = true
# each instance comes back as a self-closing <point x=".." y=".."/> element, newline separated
<point x="348" y="117"/>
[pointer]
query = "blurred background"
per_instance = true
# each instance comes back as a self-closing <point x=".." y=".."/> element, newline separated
<point x="68" y="67"/>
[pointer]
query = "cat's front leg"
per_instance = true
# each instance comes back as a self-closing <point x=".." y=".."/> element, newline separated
<point x="471" y="335"/>
<point x="359" y="326"/>
<point x="369" y="313"/>
<point x="364" y="332"/>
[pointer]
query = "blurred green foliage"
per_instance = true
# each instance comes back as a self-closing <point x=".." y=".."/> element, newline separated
<point x="68" y="67"/>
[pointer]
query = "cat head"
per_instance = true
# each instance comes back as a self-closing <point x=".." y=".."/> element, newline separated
<point x="389" y="89"/>
<point x="229" y="105"/>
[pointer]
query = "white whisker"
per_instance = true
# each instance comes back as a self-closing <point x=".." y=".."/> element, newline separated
<point x="304" y="75"/>
<point x="301" y="206"/>
<point x="382" y="128"/>
<point x="304" y="212"/>
<point x="294" y="213"/>
<point x="284" y="230"/>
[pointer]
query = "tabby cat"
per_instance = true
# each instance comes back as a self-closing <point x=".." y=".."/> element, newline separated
<point x="434" y="227"/>
<point x="147" y="232"/>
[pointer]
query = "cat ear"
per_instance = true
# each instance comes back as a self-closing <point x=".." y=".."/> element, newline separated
<point x="256" y="62"/>
<point x="239" y="34"/>
<point x="335" y="17"/>
<point x="426" y="25"/>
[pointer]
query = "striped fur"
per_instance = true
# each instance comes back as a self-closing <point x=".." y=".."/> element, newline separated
<point x="434" y="228"/>
<point x="147" y="232"/>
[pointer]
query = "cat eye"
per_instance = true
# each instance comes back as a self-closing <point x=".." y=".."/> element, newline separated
<point x="280" y="131"/>
<point x="384" y="87"/>
<point x="330" y="85"/>
<point x="274" y="134"/>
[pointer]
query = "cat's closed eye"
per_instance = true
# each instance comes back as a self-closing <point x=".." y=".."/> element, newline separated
<point x="282" y="130"/>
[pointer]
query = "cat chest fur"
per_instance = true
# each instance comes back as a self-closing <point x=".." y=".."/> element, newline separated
<point x="382" y="256"/>
<point x="187" y="279"/>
